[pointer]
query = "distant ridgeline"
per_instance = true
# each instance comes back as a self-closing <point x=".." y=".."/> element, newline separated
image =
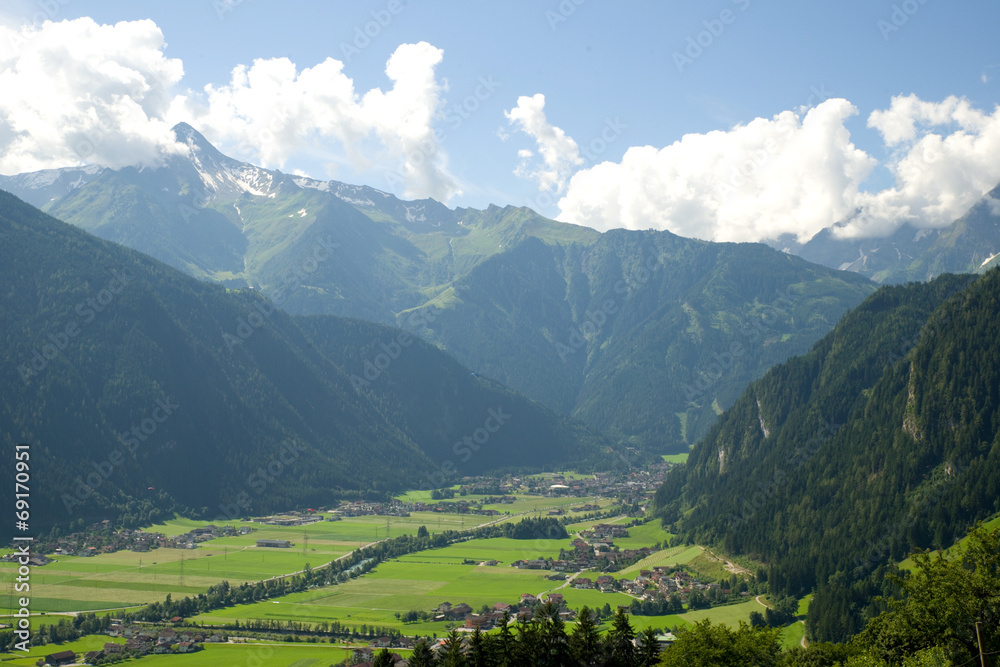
<point x="883" y="439"/>
<point x="142" y="390"/>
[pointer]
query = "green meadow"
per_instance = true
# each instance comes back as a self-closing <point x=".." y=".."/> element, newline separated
<point x="127" y="578"/>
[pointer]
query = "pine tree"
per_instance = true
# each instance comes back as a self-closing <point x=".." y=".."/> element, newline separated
<point x="649" y="651"/>
<point x="422" y="655"/>
<point x="620" y="641"/>
<point x="585" y="643"/>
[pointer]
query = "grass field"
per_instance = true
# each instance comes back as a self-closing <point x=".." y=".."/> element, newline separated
<point x="792" y="634"/>
<point x="676" y="458"/>
<point x="127" y="578"/>
<point x="421" y="582"/>
<point x="662" y="558"/>
<point x="730" y="615"/>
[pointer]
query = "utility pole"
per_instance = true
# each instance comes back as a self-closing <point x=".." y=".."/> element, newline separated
<point x="979" y="640"/>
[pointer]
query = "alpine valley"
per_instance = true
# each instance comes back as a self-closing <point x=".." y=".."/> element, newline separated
<point x="206" y="340"/>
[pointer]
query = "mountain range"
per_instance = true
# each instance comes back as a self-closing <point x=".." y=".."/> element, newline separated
<point x="644" y="336"/>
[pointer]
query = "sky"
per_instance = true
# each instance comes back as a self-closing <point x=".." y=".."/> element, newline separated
<point x="728" y="120"/>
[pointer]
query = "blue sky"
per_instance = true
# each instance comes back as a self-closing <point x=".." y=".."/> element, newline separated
<point x="614" y="76"/>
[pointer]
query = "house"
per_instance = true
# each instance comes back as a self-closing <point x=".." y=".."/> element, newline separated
<point x="187" y="647"/>
<point x="461" y="610"/>
<point x="474" y="621"/>
<point x="61" y="658"/>
<point x="583" y="582"/>
<point x="90" y="657"/>
<point x="528" y="598"/>
<point x="555" y="598"/>
<point x="281" y="544"/>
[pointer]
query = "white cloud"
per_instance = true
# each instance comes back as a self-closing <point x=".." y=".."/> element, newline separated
<point x="947" y="155"/>
<point x="797" y="174"/>
<point x="560" y="154"/>
<point x="75" y="91"/>
<point x="790" y="174"/>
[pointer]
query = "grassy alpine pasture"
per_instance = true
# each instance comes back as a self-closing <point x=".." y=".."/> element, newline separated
<point x="662" y="558"/>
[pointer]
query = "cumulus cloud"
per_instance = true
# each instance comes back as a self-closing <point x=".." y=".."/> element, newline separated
<point x="791" y="174"/>
<point x="76" y="92"/>
<point x="946" y="155"/>
<point x="797" y="173"/>
<point x="559" y="153"/>
<point x="270" y="111"/>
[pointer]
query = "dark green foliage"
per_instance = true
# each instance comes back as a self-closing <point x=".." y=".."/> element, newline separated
<point x="383" y="659"/>
<point x="942" y="600"/>
<point x="649" y="649"/>
<point x="883" y="439"/>
<point x="708" y="645"/>
<point x="586" y="646"/>
<point x="621" y="650"/>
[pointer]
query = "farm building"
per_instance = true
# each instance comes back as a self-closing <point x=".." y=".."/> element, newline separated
<point x="284" y="544"/>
